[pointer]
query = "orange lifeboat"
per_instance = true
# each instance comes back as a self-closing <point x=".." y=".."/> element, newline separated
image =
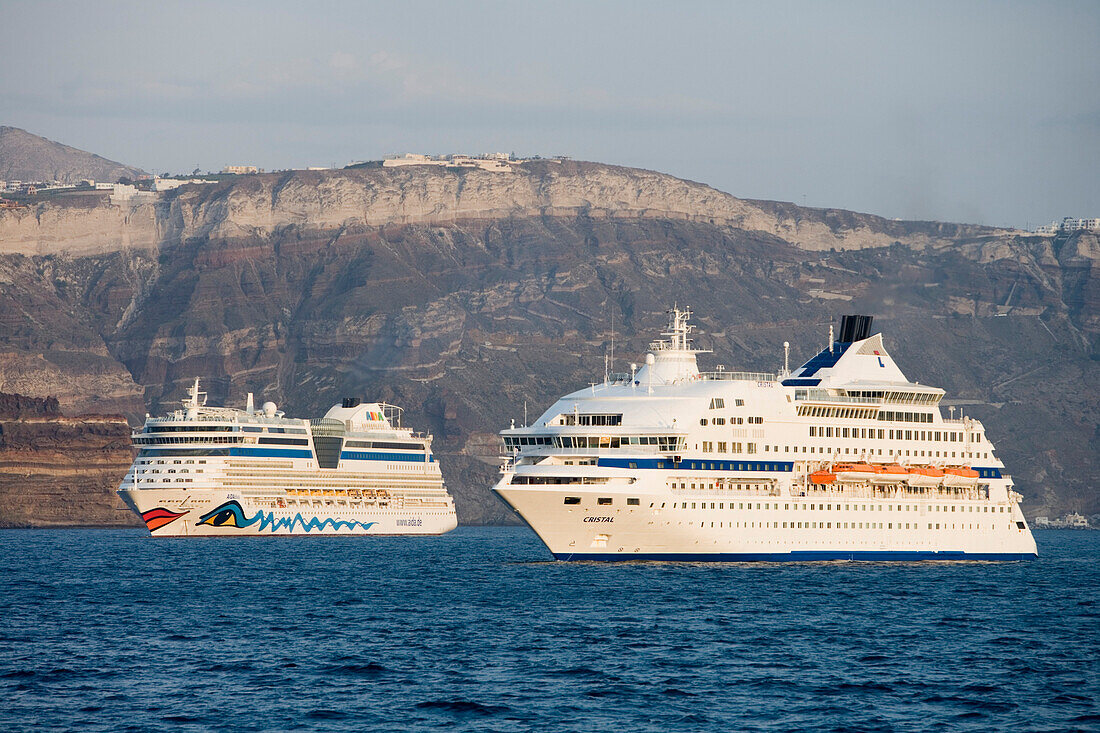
<point x="925" y="476"/>
<point x="855" y="472"/>
<point x="892" y="474"/>
<point x="960" y="477"/>
<point x="822" y="477"/>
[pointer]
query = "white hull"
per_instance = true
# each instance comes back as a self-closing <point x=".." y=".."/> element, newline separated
<point x="730" y="525"/>
<point x="236" y="516"/>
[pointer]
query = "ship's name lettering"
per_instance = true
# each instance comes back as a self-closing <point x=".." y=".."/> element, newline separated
<point x="599" y="519"/>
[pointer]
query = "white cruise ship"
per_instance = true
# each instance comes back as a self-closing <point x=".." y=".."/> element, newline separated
<point x="842" y="459"/>
<point x="218" y="471"/>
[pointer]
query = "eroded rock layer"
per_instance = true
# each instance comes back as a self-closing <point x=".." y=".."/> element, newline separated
<point x="62" y="472"/>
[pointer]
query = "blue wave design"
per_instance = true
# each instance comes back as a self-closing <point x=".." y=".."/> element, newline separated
<point x="231" y="514"/>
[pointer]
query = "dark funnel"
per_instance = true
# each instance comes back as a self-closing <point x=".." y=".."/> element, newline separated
<point x="854" y="328"/>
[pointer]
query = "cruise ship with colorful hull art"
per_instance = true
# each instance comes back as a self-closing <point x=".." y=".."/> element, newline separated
<point x="204" y="471"/>
<point x="842" y="459"/>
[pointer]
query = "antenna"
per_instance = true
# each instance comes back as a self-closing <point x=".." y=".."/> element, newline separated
<point x="525" y="413"/>
<point x="786" y="357"/>
<point x="612" y="339"/>
<point x="830" y="338"/>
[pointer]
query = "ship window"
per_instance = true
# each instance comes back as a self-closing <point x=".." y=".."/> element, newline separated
<point x="703" y="421"/>
<point x="572" y="500"/>
<point x="604" y="501"/>
<point x="632" y="502"/>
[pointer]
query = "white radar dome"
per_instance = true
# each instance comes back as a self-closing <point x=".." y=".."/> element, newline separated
<point x="269" y="409"/>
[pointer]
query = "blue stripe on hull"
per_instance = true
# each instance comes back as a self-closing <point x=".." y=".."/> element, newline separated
<point x="795" y="556"/>
<point x="270" y="453"/>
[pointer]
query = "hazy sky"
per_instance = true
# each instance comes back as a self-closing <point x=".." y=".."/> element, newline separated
<point x="962" y="111"/>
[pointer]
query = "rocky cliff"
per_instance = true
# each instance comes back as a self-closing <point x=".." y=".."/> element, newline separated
<point x="463" y="294"/>
<point x="28" y="157"/>
<point x="61" y="472"/>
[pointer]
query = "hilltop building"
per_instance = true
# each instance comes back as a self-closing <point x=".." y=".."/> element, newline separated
<point x="1068" y="224"/>
<point x="493" y="162"/>
<point x="168" y="184"/>
<point x="242" y="170"/>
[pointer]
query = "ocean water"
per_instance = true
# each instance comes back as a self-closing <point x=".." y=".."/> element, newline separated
<point x="480" y="630"/>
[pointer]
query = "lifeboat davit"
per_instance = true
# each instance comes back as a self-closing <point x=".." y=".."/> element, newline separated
<point x="855" y="472"/>
<point x="960" y="477"/>
<point x="822" y="477"/>
<point x="925" y="476"/>
<point x="893" y="474"/>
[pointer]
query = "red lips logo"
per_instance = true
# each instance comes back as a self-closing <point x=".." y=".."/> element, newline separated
<point x="157" y="518"/>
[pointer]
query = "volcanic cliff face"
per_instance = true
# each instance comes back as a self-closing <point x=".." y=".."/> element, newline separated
<point x="61" y="472"/>
<point x="463" y="294"/>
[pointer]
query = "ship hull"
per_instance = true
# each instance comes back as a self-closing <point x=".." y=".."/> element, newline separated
<point x="731" y="527"/>
<point x="214" y="513"/>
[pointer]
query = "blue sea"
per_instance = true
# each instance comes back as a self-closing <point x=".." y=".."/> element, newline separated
<point x="480" y="630"/>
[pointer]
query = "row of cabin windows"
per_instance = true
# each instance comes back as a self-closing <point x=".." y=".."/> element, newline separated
<point x="194" y="439"/>
<point x="708" y="446"/>
<point x="891" y="416"/>
<point x="860" y="413"/>
<point x="731" y="486"/>
<point x="842" y="507"/>
<point x="219" y="429"/>
<point x="662" y="442"/>
<point x="732" y="420"/>
<point x="838" y="450"/>
<point x="568" y="418"/>
<point x="787" y="506"/>
<point x="852" y="525"/>
<point x="884" y="434"/>
<point x="865" y="413"/>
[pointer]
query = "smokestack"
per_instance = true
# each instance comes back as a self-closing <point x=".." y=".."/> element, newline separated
<point x="855" y="328"/>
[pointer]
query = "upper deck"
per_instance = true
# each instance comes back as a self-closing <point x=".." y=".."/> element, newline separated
<point x="860" y="405"/>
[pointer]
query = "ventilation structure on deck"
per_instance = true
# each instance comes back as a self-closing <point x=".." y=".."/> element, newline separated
<point x="328" y="441"/>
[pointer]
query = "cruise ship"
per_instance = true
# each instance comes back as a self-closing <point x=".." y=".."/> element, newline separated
<point x="203" y="471"/>
<point x="842" y="459"/>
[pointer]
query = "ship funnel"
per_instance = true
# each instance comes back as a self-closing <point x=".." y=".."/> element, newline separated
<point x="855" y="328"/>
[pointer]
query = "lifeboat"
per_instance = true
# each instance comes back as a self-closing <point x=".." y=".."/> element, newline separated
<point x="855" y="472"/>
<point x="822" y="477"/>
<point x="960" y="477"/>
<point x="925" y="476"/>
<point x="893" y="474"/>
